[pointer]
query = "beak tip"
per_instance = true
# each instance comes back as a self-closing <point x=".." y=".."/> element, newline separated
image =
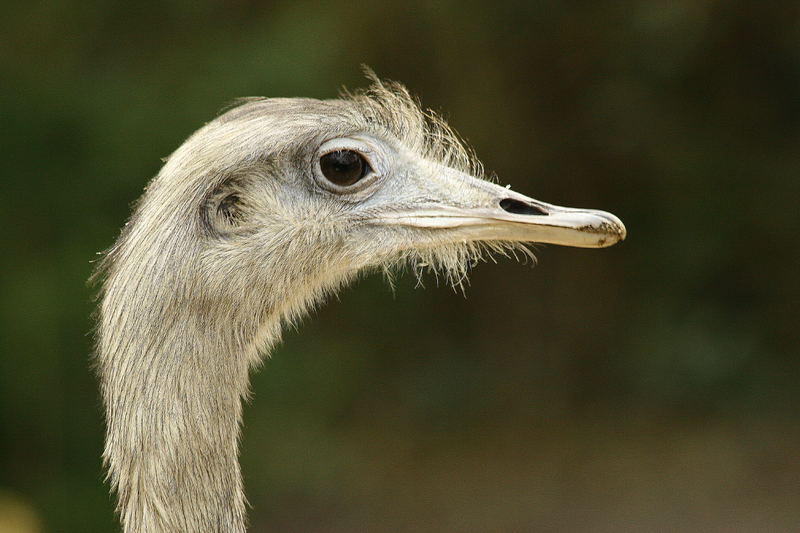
<point x="616" y="231"/>
<point x="607" y="230"/>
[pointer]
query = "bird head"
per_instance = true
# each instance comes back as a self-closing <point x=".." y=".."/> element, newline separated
<point x="294" y="196"/>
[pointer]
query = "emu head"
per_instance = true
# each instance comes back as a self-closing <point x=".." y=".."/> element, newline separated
<point x="254" y="218"/>
<point x="278" y="201"/>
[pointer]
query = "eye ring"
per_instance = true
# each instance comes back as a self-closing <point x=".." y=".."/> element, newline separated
<point x="344" y="167"/>
<point x="373" y="171"/>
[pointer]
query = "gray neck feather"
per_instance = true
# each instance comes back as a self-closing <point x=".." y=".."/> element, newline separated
<point x="174" y="370"/>
<point x="173" y="391"/>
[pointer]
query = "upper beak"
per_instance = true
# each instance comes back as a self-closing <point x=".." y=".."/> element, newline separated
<point x="476" y="210"/>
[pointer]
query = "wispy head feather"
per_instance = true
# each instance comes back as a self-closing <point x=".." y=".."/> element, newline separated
<point x="389" y="104"/>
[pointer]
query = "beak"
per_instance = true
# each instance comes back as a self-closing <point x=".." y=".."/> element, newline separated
<point x="472" y="209"/>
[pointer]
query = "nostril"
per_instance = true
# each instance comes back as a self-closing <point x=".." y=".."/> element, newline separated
<point x="520" y="208"/>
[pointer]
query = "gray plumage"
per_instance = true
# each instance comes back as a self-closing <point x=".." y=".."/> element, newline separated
<point x="241" y="232"/>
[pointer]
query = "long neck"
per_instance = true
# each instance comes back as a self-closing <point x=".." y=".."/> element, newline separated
<point x="181" y="323"/>
<point x="173" y="383"/>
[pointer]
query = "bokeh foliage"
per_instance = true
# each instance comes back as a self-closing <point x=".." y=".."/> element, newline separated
<point x="653" y="383"/>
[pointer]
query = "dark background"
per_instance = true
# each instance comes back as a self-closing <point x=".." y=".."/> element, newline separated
<point x="650" y="386"/>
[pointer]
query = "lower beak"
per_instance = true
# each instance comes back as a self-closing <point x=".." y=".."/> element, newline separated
<point x="501" y="214"/>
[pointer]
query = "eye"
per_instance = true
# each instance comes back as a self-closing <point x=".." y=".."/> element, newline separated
<point x="344" y="167"/>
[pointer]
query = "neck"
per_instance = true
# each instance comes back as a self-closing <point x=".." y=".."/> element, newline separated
<point x="173" y="384"/>
<point x="175" y="347"/>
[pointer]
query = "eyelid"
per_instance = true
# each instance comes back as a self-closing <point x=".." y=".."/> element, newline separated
<point x="356" y="145"/>
<point x="362" y="153"/>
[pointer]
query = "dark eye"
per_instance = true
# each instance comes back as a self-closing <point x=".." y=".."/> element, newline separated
<point x="344" y="167"/>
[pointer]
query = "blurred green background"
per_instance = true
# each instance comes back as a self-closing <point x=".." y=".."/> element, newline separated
<point x="650" y="386"/>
